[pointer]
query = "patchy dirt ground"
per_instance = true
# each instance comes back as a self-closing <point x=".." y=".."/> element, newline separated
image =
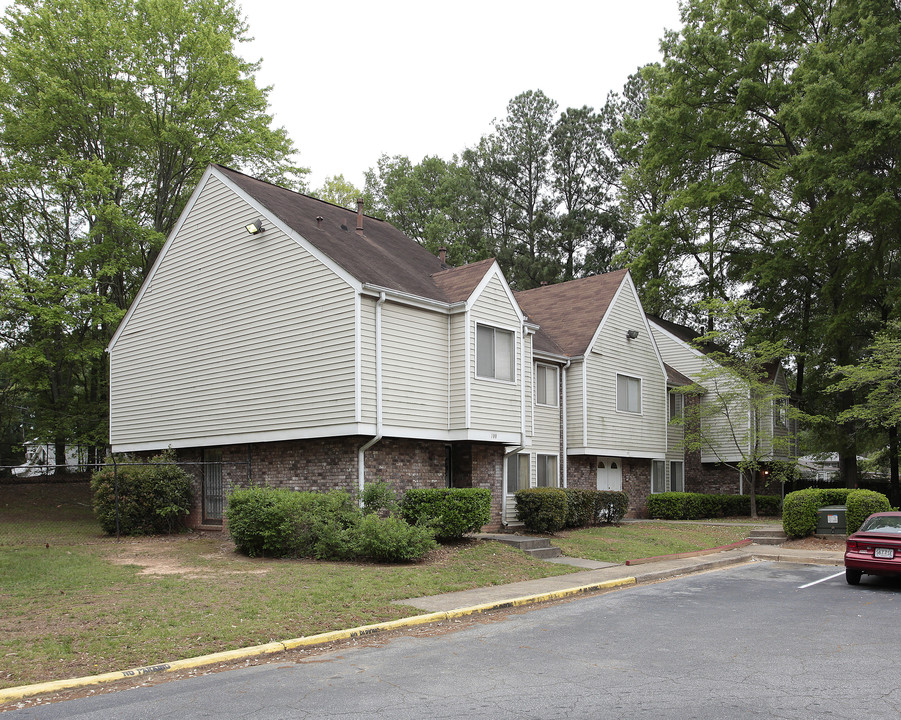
<point x="813" y="543"/>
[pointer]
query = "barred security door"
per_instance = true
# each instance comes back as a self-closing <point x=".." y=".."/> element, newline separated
<point x="212" y="488"/>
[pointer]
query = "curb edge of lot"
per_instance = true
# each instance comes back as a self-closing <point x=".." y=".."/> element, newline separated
<point x="23" y="691"/>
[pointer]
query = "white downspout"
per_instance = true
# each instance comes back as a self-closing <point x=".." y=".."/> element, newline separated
<point x="361" y="462"/>
<point x="564" y="457"/>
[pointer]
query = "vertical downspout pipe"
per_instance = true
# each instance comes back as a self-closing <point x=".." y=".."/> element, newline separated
<point x="564" y="457"/>
<point x="361" y="461"/>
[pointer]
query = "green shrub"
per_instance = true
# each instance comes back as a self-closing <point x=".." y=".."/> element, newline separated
<point x="863" y="503"/>
<point x="283" y="523"/>
<point x="610" y="506"/>
<point x="799" y="512"/>
<point x="379" y="497"/>
<point x="581" y="507"/>
<point x="154" y="497"/>
<point x="697" y="506"/>
<point x="542" y="510"/>
<point x="451" y="512"/>
<point x="392" y="539"/>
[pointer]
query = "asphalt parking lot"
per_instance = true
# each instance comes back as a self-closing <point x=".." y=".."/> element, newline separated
<point x="761" y="640"/>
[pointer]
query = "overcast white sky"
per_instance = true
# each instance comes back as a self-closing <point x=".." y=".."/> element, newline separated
<point x="356" y="78"/>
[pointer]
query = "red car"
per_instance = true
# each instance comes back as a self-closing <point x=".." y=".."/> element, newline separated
<point x="875" y="549"/>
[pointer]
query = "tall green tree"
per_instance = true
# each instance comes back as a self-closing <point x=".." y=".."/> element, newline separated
<point x="772" y="123"/>
<point x="109" y="113"/>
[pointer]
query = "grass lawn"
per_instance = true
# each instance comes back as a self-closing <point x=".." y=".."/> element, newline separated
<point x="73" y="602"/>
<point x="631" y="541"/>
<point x="76" y="610"/>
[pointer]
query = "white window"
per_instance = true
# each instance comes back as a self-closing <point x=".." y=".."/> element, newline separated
<point x="658" y="476"/>
<point x="495" y="353"/>
<point x="676" y="405"/>
<point x="546" y="385"/>
<point x="517" y="473"/>
<point x="780" y="413"/>
<point x="677" y="476"/>
<point x="547" y="471"/>
<point x="628" y="394"/>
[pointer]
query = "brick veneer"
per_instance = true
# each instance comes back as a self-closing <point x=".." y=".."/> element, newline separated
<point x="331" y="464"/>
<point x="581" y="472"/>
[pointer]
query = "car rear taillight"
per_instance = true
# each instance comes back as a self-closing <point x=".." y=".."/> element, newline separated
<point x="851" y="546"/>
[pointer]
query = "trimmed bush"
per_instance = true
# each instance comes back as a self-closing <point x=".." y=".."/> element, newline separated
<point x="610" y="506"/>
<point x="697" y="506"/>
<point x="379" y="497"/>
<point x="451" y="512"/>
<point x="393" y="540"/>
<point x="542" y="510"/>
<point x="799" y="513"/>
<point x="581" y="507"/>
<point x="154" y="497"/>
<point x="283" y="523"/>
<point x="863" y="503"/>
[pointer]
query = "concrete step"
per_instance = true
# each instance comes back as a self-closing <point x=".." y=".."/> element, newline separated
<point x="544" y="553"/>
<point x="537" y="547"/>
<point x="768" y="536"/>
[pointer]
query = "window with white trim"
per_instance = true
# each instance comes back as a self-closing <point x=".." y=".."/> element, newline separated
<point x="658" y="476"/>
<point x="546" y="385"/>
<point x="780" y="413"/>
<point x="495" y="353"/>
<point x="547" y="471"/>
<point x="676" y="405"/>
<point x="517" y="472"/>
<point x="628" y="393"/>
<point x="677" y="476"/>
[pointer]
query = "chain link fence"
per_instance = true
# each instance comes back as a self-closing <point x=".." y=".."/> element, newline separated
<point x="53" y="504"/>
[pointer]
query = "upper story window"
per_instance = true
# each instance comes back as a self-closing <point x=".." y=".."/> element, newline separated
<point x="546" y="385"/>
<point x="780" y="412"/>
<point x="628" y="393"/>
<point x="495" y="353"/>
<point x="676" y="405"/>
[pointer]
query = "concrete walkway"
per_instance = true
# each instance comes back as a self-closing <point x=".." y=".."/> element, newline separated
<point x="651" y="572"/>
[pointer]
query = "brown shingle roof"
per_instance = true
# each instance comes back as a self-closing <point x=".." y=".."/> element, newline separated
<point x="458" y="283"/>
<point x="381" y="256"/>
<point x="569" y="313"/>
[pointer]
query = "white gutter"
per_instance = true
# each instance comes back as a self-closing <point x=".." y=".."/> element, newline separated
<point x="563" y="421"/>
<point x="361" y="461"/>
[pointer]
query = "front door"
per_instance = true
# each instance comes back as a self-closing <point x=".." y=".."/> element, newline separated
<point x="610" y="474"/>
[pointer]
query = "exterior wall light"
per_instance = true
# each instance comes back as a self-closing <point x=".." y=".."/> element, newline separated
<point x="256" y="227"/>
<point x="631" y="334"/>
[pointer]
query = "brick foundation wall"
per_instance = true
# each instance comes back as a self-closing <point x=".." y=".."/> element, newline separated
<point x="332" y="464"/>
<point x="581" y="472"/>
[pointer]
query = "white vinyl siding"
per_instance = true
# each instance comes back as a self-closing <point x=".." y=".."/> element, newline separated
<point x="230" y="323"/>
<point x="495" y="405"/>
<point x="457" y="366"/>
<point x="690" y="363"/>
<point x="640" y="432"/>
<point x="367" y="360"/>
<point x="414" y="367"/>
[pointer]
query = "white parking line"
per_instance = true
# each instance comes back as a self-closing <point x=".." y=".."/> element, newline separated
<point x="815" y="582"/>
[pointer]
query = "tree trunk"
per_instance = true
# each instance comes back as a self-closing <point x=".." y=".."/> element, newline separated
<point x="894" y="483"/>
<point x="753" y="493"/>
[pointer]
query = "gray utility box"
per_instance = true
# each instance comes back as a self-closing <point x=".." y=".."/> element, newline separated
<point x="832" y="520"/>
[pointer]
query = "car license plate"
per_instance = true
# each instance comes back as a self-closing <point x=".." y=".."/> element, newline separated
<point x="884" y="553"/>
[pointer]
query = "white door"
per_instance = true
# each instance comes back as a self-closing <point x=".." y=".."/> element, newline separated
<point x="610" y="474"/>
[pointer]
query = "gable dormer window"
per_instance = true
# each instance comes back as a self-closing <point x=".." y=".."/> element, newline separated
<point x="495" y="354"/>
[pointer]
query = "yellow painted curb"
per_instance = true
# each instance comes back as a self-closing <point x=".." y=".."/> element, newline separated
<point x="23" y="691"/>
